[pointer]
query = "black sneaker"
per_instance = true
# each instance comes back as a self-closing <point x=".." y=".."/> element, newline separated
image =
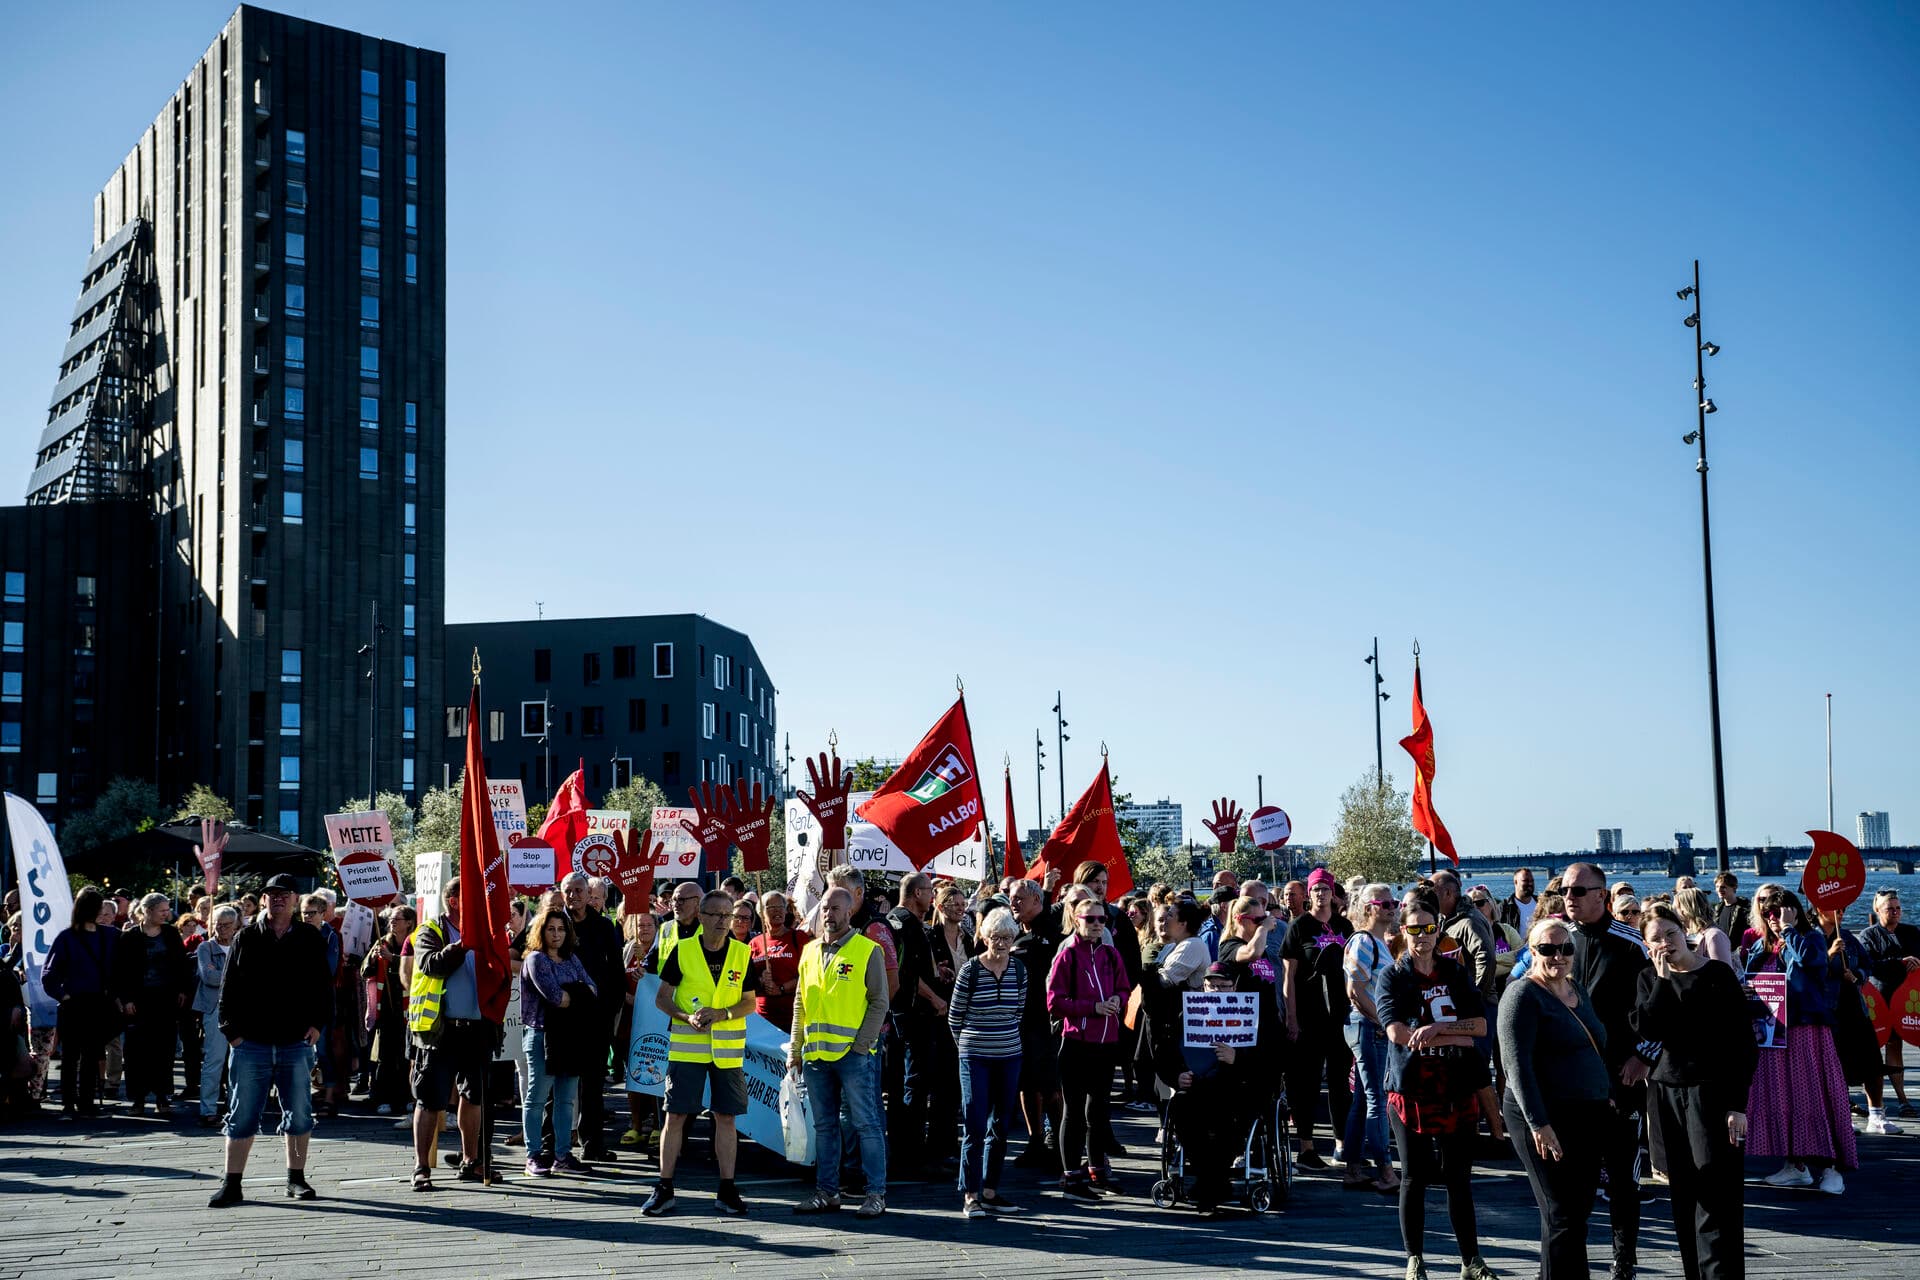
<point x="1078" y="1185"/>
<point x="727" y="1200"/>
<point x="660" y="1202"/>
<point x="227" y="1195"/>
<point x="1310" y="1160"/>
<point x="1000" y="1204"/>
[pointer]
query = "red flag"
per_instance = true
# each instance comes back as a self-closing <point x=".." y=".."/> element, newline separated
<point x="1015" y="866"/>
<point x="1090" y="833"/>
<point x="932" y="801"/>
<point x="566" y="823"/>
<point x="1419" y="745"/>
<point x="485" y="900"/>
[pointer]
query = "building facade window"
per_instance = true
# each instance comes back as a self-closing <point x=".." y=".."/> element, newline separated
<point x="296" y="299"/>
<point x="290" y="824"/>
<point x="48" y="790"/>
<point x="289" y="772"/>
<point x="593" y="722"/>
<point x="295" y="351"/>
<point x="706" y="719"/>
<point x="370" y="261"/>
<point x="590" y="668"/>
<point x="296" y="246"/>
<point x="294" y="508"/>
<point x="496" y="726"/>
<point x="406" y="773"/>
<point x="412" y="265"/>
<point x="413" y="169"/>
<point x="456" y="722"/>
<point x="624" y="661"/>
<point x="11" y="685"/>
<point x="16" y="587"/>
<point x="746" y="730"/>
<point x="296" y="144"/>
<point x="407" y="571"/>
<point x="296" y="196"/>
<point x="406" y="672"/>
<point x="13" y="637"/>
<point x="407" y="723"/>
<point x="294" y="401"/>
<point x="289" y="666"/>
<point x="663" y="660"/>
<point x="370" y="97"/>
<point x="369" y="211"/>
<point x="370" y="413"/>
<point x="369" y="362"/>
<point x="10" y="737"/>
<point x="407" y="619"/>
<point x="407" y="518"/>
<point x="369" y="311"/>
<point x="290" y="719"/>
<point x="294" y="455"/>
<point x="369" y="464"/>
<point x="411" y="418"/>
<point x="413" y="217"/>
<point x="636" y="715"/>
<point x="412" y="471"/>
<point x="533" y="719"/>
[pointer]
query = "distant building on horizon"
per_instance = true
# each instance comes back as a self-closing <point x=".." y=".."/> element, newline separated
<point x="1873" y="829"/>
<point x="1159" y="821"/>
<point x="1607" y="840"/>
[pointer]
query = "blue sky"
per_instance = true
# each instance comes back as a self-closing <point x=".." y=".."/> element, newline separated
<point x="1166" y="355"/>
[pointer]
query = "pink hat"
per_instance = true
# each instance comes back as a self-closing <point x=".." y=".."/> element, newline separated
<point x="1322" y="876"/>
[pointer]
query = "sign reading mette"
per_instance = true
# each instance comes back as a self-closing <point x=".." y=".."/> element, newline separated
<point x="362" y="845"/>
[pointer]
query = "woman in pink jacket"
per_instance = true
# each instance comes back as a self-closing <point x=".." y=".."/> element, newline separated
<point x="1087" y="992"/>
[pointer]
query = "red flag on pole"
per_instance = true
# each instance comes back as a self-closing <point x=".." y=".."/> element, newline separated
<point x="1419" y="745"/>
<point x="932" y="801"/>
<point x="566" y="823"/>
<point x="485" y="899"/>
<point x="1015" y="866"/>
<point x="1090" y="833"/>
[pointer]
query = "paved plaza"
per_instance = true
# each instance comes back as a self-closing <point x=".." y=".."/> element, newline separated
<point x="128" y="1199"/>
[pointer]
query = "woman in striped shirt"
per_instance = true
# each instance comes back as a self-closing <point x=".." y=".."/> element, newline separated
<point x="989" y="995"/>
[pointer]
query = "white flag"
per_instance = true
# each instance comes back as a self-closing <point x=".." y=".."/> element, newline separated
<point x="46" y="900"/>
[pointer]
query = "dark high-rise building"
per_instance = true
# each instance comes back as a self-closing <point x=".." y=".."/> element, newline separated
<point x="677" y="698"/>
<point x="258" y="353"/>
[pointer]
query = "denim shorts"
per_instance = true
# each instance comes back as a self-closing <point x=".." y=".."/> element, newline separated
<point x="253" y="1069"/>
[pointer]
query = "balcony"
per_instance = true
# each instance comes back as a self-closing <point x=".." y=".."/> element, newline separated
<point x="259" y="466"/>
<point x="261" y="366"/>
<point x="263" y="209"/>
<point x="262" y="259"/>
<point x="257" y="517"/>
<point x="262" y="154"/>
<point x="261" y="312"/>
<point x="258" y="416"/>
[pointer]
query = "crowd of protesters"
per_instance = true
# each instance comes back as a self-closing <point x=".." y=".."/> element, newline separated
<point x="1609" y="1040"/>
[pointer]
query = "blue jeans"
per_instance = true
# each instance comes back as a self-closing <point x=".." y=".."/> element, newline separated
<point x="254" y="1068"/>
<point x="213" y="1061"/>
<point x="1366" y="1137"/>
<point x="854" y="1080"/>
<point x="565" y="1090"/>
<point x="989" y="1094"/>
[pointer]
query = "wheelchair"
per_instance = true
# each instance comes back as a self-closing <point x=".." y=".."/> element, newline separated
<point x="1264" y="1179"/>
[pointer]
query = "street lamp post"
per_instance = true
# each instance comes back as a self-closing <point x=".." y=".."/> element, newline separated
<point x="1060" y="759"/>
<point x="371" y="652"/>
<point x="1039" y="768"/>
<point x="1380" y="696"/>
<point x="1698" y="436"/>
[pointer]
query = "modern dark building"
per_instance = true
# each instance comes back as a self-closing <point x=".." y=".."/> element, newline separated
<point x="77" y="702"/>
<point x="677" y="698"/>
<point x="258" y="355"/>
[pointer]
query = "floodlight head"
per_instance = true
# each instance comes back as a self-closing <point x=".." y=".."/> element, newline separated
<point x="1706" y="406"/>
<point x="1684" y="293"/>
<point x="1692" y="437"/>
<point x="1711" y="348"/>
<point x="1693" y="320"/>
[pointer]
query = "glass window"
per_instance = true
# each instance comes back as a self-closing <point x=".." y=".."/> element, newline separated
<point x="413" y="169"/>
<point x="295" y="456"/>
<point x="413" y="417"/>
<point x="533" y="719"/>
<point x="369" y="211"/>
<point x="413" y="118"/>
<point x="290" y="666"/>
<point x="370" y="161"/>
<point x="369" y="311"/>
<point x="370" y="108"/>
<point x="663" y="660"/>
<point x="406" y="722"/>
<point x="369" y="464"/>
<point x="413" y="216"/>
<point x="13" y="637"/>
<point x="496" y="726"/>
<point x="10" y="685"/>
<point x="296" y="351"/>
<point x="294" y="400"/>
<point x="408" y="567"/>
<point x="49" y="788"/>
<point x="413" y="467"/>
<point x="406" y="672"/>
<point x="746" y="732"/>
<point x="706" y="719"/>
<point x="406" y="619"/>
<point x="406" y="773"/>
<point x="413" y="268"/>
<point x="16" y="587"/>
<point x="296" y="144"/>
<point x="296" y="194"/>
<point x="296" y="299"/>
<point x="370" y="82"/>
<point x="290" y="824"/>
<point x="413" y="91"/>
<point x="290" y="718"/>
<point x="296" y="247"/>
<point x="289" y="771"/>
<point x="370" y="260"/>
<point x="295" y="509"/>
<point x="10" y="737"/>
<point x="370" y="412"/>
<point x="369" y="362"/>
<point x="407" y="519"/>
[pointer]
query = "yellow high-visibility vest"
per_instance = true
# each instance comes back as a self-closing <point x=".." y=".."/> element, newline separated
<point x="833" y="996"/>
<point x="725" y="1042"/>
<point x="425" y="993"/>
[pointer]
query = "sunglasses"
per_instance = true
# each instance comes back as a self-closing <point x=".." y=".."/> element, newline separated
<point x="1582" y="890"/>
<point x="1250" y="916"/>
<point x="1630" y="912"/>
<point x="310" y="912"/>
<point x="1554" y="950"/>
<point x="1385" y="904"/>
<point x="1421" y="930"/>
<point x="1091" y="919"/>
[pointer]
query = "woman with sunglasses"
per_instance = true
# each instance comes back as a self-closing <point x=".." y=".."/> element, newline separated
<point x="1697" y="1106"/>
<point x="1798" y="1108"/>
<point x="1557" y="1094"/>
<point x="1087" y="991"/>
<point x="1367" y="956"/>
<point x="1432" y="1014"/>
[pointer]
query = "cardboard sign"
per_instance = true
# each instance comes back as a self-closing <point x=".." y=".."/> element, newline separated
<point x="530" y="863"/>
<point x="1836" y="874"/>
<point x="1770" y="1009"/>
<point x="356" y="930"/>
<point x="634" y="872"/>
<point x="430" y="873"/>
<point x="868" y="849"/>
<point x="1905" y="1013"/>
<point x="1221" y="1017"/>
<point x="1271" y="827"/>
<point x="677" y="852"/>
<point x="362" y="845"/>
<point x="513" y="1048"/>
<point x="509" y="808"/>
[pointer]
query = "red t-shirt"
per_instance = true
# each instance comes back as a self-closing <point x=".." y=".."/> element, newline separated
<point x="782" y="957"/>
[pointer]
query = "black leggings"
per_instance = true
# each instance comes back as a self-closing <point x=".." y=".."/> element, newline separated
<point x="1563" y="1189"/>
<point x="85" y="1024"/>
<point x="1319" y="1048"/>
<point x="1086" y="1075"/>
<point x="1444" y="1160"/>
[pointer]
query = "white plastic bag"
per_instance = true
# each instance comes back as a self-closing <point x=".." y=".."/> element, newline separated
<point x="796" y="1119"/>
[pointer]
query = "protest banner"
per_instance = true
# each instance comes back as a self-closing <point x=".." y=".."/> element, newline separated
<point x="509" y="799"/>
<point x="869" y="849"/>
<point x="806" y="865"/>
<point x="362" y="845"/>
<point x="766" y="1065"/>
<point x="356" y="929"/>
<point x="1220" y="1017"/>
<point x="46" y="901"/>
<point x="430" y="871"/>
<point x="531" y="864"/>
<point x="1836" y="874"/>
<point x="676" y="849"/>
<point x="1769" y="1008"/>
<point x="598" y="852"/>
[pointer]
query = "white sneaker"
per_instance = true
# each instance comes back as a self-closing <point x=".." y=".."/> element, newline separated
<point x="1832" y="1183"/>
<point x="1877" y="1122"/>
<point x="1791" y="1175"/>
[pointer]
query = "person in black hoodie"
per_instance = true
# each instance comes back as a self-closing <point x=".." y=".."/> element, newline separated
<point x="599" y="943"/>
<point x="79" y="978"/>
<point x="276" y="997"/>
<point x="151" y="979"/>
<point x="1608" y="959"/>
<point x="917" y="1007"/>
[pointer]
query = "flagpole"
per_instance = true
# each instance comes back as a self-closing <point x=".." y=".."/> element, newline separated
<point x="1829" y="762"/>
<point x="486" y="1092"/>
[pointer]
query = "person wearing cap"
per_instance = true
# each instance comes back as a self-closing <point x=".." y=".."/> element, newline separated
<point x="274" y="1000"/>
<point x="1315" y="999"/>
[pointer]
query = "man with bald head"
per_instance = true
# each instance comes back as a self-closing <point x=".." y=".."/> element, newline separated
<point x="838" y="1011"/>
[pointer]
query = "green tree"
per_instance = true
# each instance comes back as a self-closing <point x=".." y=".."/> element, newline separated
<point x="1374" y="835"/>
<point x="640" y="797"/>
<point x="399" y="813"/>
<point x="868" y="774"/>
<point x="434" y="829"/>
<point x="127" y="806"/>
<point x="202" y="801"/>
<point x="1158" y="864"/>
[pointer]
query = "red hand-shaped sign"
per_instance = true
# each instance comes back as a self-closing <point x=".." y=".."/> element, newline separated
<point x="634" y="872"/>
<point x="1225" y="824"/>
<point x="710" y="825"/>
<point x="752" y="825"/>
<point x="828" y="803"/>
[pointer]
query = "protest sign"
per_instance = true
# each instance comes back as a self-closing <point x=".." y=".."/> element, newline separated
<point x="46" y="902"/>
<point x="1878" y="1012"/>
<point x="806" y="865"/>
<point x="513" y="1047"/>
<point x="356" y="929"/>
<point x="1220" y="1017"/>
<point x="766" y="1065"/>
<point x="1769" y="1008"/>
<point x="1836" y="874"/>
<point x="530" y="864"/>
<point x="868" y="849"/>
<point x="675" y="848"/>
<point x="429" y="883"/>
<point x="634" y="872"/>
<point x="362" y="845"/>
<point x="509" y="800"/>
<point x="1271" y="827"/>
<point x="1905" y="1002"/>
<point x="598" y="853"/>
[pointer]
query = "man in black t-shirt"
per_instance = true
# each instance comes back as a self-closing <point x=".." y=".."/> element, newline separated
<point x="1316" y="1010"/>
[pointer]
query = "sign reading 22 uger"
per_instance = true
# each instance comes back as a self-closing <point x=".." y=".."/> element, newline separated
<point x="766" y="1064"/>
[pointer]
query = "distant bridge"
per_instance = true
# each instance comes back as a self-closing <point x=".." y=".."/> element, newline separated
<point x="1768" y="863"/>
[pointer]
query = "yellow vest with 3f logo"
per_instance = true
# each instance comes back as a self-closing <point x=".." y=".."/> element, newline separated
<point x="724" y="1043"/>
